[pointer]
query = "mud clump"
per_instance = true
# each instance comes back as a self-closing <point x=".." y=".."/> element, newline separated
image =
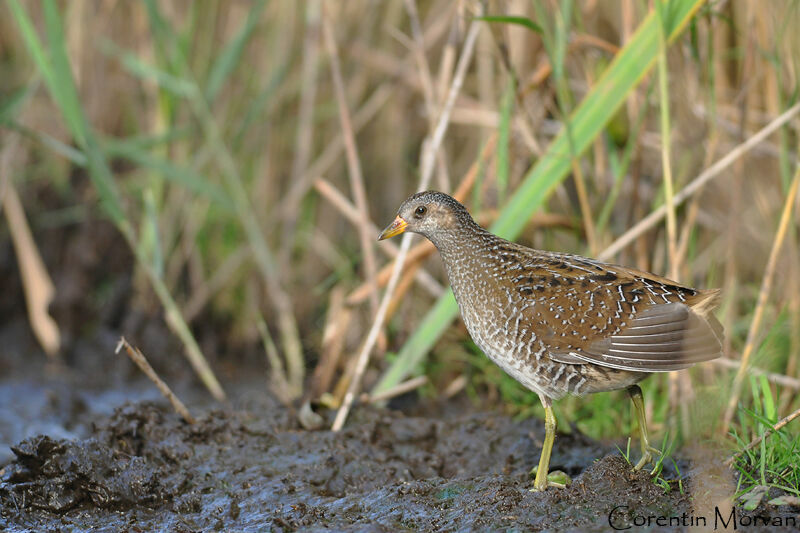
<point x="251" y="468"/>
<point x="58" y="475"/>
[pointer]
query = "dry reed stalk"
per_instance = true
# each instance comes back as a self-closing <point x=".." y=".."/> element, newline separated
<point x="330" y="154"/>
<point x="403" y="286"/>
<point x="37" y="286"/>
<point x="698" y="183"/>
<point x="342" y="204"/>
<point x="352" y="158"/>
<point x="447" y="62"/>
<point x="457" y="385"/>
<point x="397" y="390"/>
<point x="677" y="381"/>
<point x="418" y="49"/>
<point x="779" y="379"/>
<point x="140" y="360"/>
<point x="337" y="320"/>
<point x="586" y="209"/>
<point x="305" y="116"/>
<point x="424" y="249"/>
<point x="416" y="254"/>
<point x="431" y="147"/>
<point x="221" y="277"/>
<point x="755" y="442"/>
<point x="761" y="302"/>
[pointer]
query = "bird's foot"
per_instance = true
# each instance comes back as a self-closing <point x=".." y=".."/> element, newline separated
<point x="647" y="457"/>
<point x="556" y="478"/>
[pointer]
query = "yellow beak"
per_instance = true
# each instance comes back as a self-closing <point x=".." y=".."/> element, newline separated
<point x="395" y="228"/>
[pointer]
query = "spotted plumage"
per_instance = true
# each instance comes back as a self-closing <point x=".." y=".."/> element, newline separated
<point x="559" y="323"/>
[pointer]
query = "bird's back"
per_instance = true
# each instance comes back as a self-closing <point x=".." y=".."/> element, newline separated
<point x="561" y="323"/>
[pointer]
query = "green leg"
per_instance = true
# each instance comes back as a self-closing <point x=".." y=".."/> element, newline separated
<point x="544" y="478"/>
<point x="647" y="451"/>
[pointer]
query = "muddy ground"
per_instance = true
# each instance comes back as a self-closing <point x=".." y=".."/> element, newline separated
<point x="92" y="446"/>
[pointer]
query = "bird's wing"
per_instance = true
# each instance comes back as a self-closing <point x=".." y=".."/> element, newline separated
<point x="591" y="312"/>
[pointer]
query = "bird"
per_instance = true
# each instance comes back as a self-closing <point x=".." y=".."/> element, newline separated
<point x="560" y="323"/>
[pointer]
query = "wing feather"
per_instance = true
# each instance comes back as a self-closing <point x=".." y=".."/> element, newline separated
<point x="661" y="338"/>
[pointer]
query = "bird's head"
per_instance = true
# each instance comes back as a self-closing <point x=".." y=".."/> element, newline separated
<point x="428" y="213"/>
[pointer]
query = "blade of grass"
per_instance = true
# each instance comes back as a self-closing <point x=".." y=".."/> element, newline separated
<point x="772" y="429"/>
<point x="511" y="19"/>
<point x="502" y="165"/>
<point x="12" y="103"/>
<point x="672" y="232"/>
<point x="55" y="68"/>
<point x="142" y="69"/>
<point x="231" y="53"/>
<point x="599" y="106"/>
<point x="669" y="194"/>
<point x="76" y="157"/>
<point x="182" y="175"/>
<point x="240" y="196"/>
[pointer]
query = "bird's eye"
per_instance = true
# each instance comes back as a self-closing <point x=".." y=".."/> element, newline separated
<point x="420" y="211"/>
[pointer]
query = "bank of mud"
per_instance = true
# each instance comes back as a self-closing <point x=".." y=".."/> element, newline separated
<point x="90" y="445"/>
<point x="250" y="467"/>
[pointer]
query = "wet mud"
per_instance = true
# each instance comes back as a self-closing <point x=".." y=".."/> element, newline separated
<point x="250" y="468"/>
<point x="107" y="454"/>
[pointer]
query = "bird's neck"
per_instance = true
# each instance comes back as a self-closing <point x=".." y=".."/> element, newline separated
<point x="463" y="252"/>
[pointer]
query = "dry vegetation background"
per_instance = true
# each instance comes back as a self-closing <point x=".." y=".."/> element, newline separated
<point x="246" y="154"/>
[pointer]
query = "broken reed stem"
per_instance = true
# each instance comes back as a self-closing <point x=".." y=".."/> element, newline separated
<point x="755" y="442"/>
<point x="779" y="379"/>
<point x="712" y="172"/>
<point x="397" y="390"/>
<point x="761" y="302"/>
<point x="140" y="360"/>
<point x="36" y="282"/>
<point x="353" y="162"/>
<point x="334" y="334"/>
<point x="430" y="148"/>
